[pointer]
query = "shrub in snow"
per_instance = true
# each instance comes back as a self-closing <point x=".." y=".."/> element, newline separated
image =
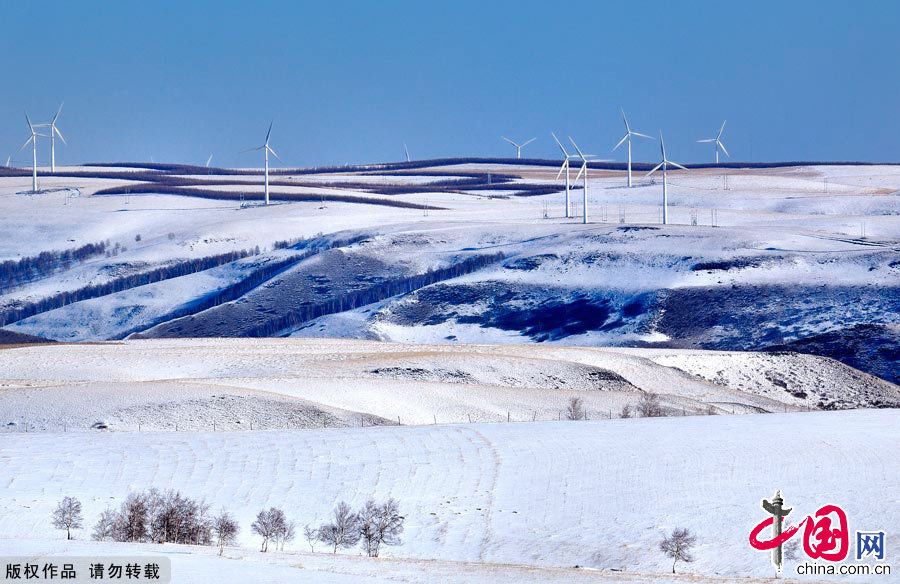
<point x="649" y="406"/>
<point x="575" y="409"/>
<point x="626" y="411"/>
<point x="67" y="515"/>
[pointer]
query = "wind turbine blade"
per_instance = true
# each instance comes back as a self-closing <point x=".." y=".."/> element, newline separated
<point x="30" y="125"/>
<point x="580" y="170"/>
<point x="624" y="119"/>
<point x="577" y="149"/>
<point x="643" y="135"/>
<point x="58" y="133"/>
<point x="675" y="164"/>
<point x="529" y="142"/>
<point x="706" y="140"/>
<point x="722" y="129"/>
<point x="275" y="154"/>
<point x="59" y="111"/>
<point x="27" y="142"/>
<point x="510" y="141"/>
<point x="622" y="141"/>
<point x="655" y="168"/>
<point x="269" y="133"/>
<point x="251" y="149"/>
<point x="558" y="143"/>
<point x="722" y="146"/>
<point x="565" y="164"/>
<point x="208" y="160"/>
<point x="662" y="145"/>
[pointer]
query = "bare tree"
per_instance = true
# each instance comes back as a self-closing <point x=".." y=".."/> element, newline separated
<point x="575" y="409"/>
<point x="133" y="521"/>
<point x="380" y="525"/>
<point x="312" y="536"/>
<point x="649" y="406"/>
<point x="67" y="515"/>
<point x="286" y="534"/>
<point x="626" y="411"/>
<point x="343" y="532"/>
<point x="678" y="546"/>
<point x="105" y="528"/>
<point x="226" y="529"/>
<point x="268" y="525"/>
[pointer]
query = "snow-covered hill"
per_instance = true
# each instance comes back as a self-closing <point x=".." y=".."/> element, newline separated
<point x="598" y="493"/>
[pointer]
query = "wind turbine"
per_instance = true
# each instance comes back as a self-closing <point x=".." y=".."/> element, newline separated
<point x="406" y="150"/>
<point x="54" y="132"/>
<point x="628" y="138"/>
<point x="33" y="141"/>
<point x="565" y="167"/>
<point x="718" y="142"/>
<point x="208" y="160"/>
<point x="519" y="146"/>
<point x="267" y="149"/>
<point x="665" y="168"/>
<point x="584" y="169"/>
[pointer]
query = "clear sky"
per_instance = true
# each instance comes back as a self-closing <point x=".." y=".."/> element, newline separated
<point x="351" y="81"/>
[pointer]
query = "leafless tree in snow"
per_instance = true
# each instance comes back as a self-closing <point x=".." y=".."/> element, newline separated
<point x="678" y="546"/>
<point x="575" y="409"/>
<point x="67" y="515"/>
<point x="312" y="536"/>
<point x="225" y="529"/>
<point x="268" y="525"/>
<point x="343" y="532"/>
<point x="649" y="406"/>
<point x="286" y="534"/>
<point x="380" y="525"/>
<point x="105" y="528"/>
<point x="626" y="411"/>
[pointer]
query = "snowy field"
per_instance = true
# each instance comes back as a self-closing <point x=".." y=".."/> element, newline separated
<point x="239" y="384"/>
<point x="597" y="494"/>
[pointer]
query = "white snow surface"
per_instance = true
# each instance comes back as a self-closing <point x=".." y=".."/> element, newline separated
<point x="598" y="494"/>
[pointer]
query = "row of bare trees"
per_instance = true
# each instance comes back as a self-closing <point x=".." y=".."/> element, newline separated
<point x="170" y="517"/>
<point x="374" y="525"/>
<point x="648" y="406"/>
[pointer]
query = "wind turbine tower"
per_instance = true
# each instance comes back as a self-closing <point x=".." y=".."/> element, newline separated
<point x="565" y="167"/>
<point x="519" y="146"/>
<point x="628" y="137"/>
<point x="266" y="150"/>
<point x="665" y="170"/>
<point x="33" y="141"/>
<point x="718" y="142"/>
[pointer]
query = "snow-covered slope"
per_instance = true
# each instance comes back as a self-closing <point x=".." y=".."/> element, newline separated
<point x="231" y="384"/>
<point x="597" y="493"/>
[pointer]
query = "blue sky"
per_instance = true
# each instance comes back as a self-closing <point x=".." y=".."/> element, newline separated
<point x="351" y="81"/>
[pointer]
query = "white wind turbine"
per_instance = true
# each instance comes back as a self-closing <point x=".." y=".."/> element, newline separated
<point x="665" y="168"/>
<point x="718" y="142"/>
<point x="33" y="140"/>
<point x="267" y="149"/>
<point x="565" y="167"/>
<point x="584" y="169"/>
<point x="519" y="146"/>
<point x="54" y="132"/>
<point x="629" y="133"/>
